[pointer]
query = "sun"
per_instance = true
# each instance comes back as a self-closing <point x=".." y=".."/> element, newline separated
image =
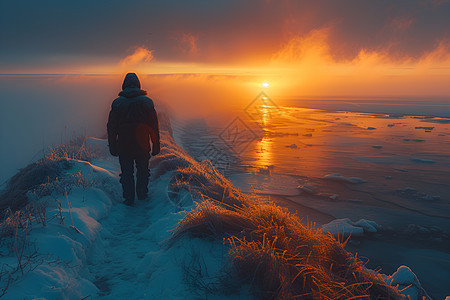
<point x="265" y="84"/>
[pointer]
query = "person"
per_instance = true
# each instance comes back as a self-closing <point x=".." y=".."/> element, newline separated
<point x="131" y="122"/>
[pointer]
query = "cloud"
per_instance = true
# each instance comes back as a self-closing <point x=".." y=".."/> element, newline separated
<point x="188" y="43"/>
<point x="310" y="47"/>
<point x="140" y="55"/>
<point x="244" y="33"/>
<point x="306" y="64"/>
<point x="314" y="48"/>
<point x="438" y="57"/>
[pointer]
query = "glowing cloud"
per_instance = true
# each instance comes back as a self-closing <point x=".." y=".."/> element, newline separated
<point x="307" y="65"/>
<point x="311" y="47"/>
<point x="139" y="56"/>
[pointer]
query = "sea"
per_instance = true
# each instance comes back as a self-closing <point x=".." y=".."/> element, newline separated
<point x="328" y="162"/>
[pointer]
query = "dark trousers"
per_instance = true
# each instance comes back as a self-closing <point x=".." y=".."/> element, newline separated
<point x="127" y="177"/>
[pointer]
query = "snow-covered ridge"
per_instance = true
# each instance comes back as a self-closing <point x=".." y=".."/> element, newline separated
<point x="93" y="246"/>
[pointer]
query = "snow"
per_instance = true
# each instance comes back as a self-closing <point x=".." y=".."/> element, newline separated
<point x="104" y="249"/>
<point x="112" y="251"/>
<point x="51" y="282"/>
<point x="408" y="282"/>
<point x="403" y="278"/>
<point x="368" y="226"/>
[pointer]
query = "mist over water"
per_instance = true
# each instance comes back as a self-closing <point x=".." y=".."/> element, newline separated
<point x="323" y="165"/>
<point x="404" y="159"/>
<point x="41" y="111"/>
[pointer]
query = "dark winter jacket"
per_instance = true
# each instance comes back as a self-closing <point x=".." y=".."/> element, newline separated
<point x="132" y="121"/>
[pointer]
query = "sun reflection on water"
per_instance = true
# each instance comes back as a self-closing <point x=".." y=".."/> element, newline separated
<point x="264" y="149"/>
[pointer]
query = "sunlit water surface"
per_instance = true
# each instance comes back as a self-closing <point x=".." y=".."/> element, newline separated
<point x="403" y="161"/>
<point x="399" y="168"/>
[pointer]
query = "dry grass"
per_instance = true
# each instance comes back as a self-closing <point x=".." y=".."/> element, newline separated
<point x="28" y="179"/>
<point x="21" y="206"/>
<point x="270" y="248"/>
<point x="76" y="148"/>
<point x="170" y="158"/>
<point x="204" y="181"/>
<point x="43" y="176"/>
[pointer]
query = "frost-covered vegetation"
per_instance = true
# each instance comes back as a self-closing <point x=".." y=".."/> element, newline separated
<point x="35" y="198"/>
<point x="46" y="175"/>
<point x="270" y="248"/>
<point x="65" y="234"/>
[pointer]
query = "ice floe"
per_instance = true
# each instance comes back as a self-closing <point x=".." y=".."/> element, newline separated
<point x="408" y="283"/>
<point x="422" y="160"/>
<point x="338" y="177"/>
<point x="345" y="227"/>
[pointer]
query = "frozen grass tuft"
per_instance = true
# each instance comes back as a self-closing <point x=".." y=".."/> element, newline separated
<point x="22" y="206"/>
<point x="202" y="180"/>
<point x="44" y="176"/>
<point x="269" y="247"/>
<point x="74" y="149"/>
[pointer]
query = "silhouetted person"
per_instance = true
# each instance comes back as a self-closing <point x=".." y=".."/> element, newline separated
<point x="131" y="122"/>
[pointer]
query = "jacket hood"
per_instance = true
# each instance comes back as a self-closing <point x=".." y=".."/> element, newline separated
<point x="131" y="79"/>
<point x="131" y="86"/>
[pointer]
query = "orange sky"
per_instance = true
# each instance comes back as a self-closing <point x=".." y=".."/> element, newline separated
<point x="305" y="66"/>
<point x="303" y="49"/>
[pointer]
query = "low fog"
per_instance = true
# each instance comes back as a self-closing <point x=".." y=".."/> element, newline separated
<point x="41" y="111"/>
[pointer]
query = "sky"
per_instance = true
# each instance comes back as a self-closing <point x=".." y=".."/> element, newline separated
<point x="199" y="56"/>
<point x="320" y="48"/>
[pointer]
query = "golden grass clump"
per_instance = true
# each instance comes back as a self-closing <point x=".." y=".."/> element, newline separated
<point x="170" y="158"/>
<point x="203" y="181"/>
<point x="42" y="175"/>
<point x="271" y="249"/>
<point x="268" y="246"/>
<point x="210" y="220"/>
<point x="76" y="149"/>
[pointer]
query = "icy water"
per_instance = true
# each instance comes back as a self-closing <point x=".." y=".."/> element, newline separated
<point x="401" y="163"/>
<point x="392" y="169"/>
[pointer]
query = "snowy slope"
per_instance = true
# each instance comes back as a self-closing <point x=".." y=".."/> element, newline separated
<point x="114" y="251"/>
<point x="96" y="247"/>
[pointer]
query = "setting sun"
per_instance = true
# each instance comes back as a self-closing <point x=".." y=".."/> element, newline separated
<point x="265" y="84"/>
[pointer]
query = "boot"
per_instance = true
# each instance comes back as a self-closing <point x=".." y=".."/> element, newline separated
<point x="128" y="202"/>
